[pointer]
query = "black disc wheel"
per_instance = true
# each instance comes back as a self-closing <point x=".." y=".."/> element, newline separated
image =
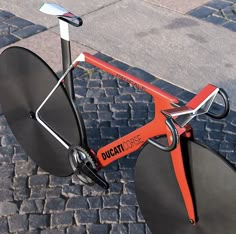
<point x="213" y="183"/>
<point x="25" y="81"/>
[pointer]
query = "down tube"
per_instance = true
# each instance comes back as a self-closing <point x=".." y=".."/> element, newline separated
<point x="126" y="144"/>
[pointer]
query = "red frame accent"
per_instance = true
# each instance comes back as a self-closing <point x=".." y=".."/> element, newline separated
<point x="69" y="14"/>
<point x="136" y="139"/>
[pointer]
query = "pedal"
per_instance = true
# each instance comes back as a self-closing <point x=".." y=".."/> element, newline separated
<point x="85" y="167"/>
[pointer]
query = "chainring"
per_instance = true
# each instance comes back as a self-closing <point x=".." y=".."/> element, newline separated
<point x="75" y="159"/>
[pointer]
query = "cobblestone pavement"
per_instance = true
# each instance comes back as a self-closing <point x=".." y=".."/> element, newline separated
<point x="219" y="12"/>
<point x="13" y="28"/>
<point x="32" y="201"/>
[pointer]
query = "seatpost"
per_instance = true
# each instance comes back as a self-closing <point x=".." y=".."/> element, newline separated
<point x="66" y="57"/>
<point x="65" y="18"/>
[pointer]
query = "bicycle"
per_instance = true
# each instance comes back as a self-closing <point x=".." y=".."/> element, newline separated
<point x="189" y="178"/>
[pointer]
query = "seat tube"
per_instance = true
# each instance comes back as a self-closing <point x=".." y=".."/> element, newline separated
<point x="66" y="57"/>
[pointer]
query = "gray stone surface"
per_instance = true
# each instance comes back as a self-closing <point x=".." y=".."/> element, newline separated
<point x="18" y="223"/>
<point x="30" y="10"/>
<point x="182" y="6"/>
<point x="61" y="205"/>
<point x="177" y="48"/>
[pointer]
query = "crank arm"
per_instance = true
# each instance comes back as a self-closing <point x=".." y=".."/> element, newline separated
<point x="83" y="167"/>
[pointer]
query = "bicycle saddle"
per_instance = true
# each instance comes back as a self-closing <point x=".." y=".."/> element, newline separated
<point x="61" y="13"/>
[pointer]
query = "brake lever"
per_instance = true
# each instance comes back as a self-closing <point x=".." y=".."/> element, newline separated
<point x="225" y="97"/>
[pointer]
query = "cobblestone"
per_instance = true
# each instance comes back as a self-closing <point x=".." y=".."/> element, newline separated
<point x="53" y="231"/>
<point x="119" y="228"/>
<point x="5" y="15"/>
<point x="6" y="170"/>
<point x="59" y="181"/>
<point x="98" y="228"/>
<point x="116" y="188"/>
<point x="219" y="12"/>
<point x="227" y="147"/>
<point x="111" y="92"/>
<point x="128" y="200"/>
<point x="75" y="203"/>
<point x="3" y="225"/>
<point x="62" y="219"/>
<point x="93" y="191"/>
<point x="202" y="12"/>
<point x="128" y="214"/>
<point x="135" y="228"/>
<point x="31" y="206"/>
<point x="121" y="115"/>
<point x="7" y="208"/>
<point x="126" y="163"/>
<point x="86" y="216"/>
<point x="215" y="20"/>
<point x="6" y="195"/>
<point x="109" y="215"/>
<point x="54" y="204"/>
<point x="38" y="180"/>
<point x="6" y="154"/>
<point x="127" y="175"/>
<point x="95" y="202"/>
<point x="7" y="40"/>
<point x="109" y="133"/>
<point x="76" y="230"/>
<point x="19" y="155"/>
<point x="129" y="188"/>
<point x="230" y="25"/>
<point x="18" y="22"/>
<point x="53" y="192"/>
<point x="18" y="223"/>
<point x="219" y="4"/>
<point x="71" y="190"/>
<point x="111" y="201"/>
<point x="21" y="194"/>
<point x="38" y="193"/>
<point x="37" y="221"/>
<point x="29" y="31"/>
<point x="109" y="83"/>
<point x="13" y="28"/>
<point x="23" y="168"/>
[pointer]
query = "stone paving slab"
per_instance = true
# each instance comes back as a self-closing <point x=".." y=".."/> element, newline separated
<point x="30" y="9"/>
<point x="182" y="6"/>
<point x="48" y="46"/>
